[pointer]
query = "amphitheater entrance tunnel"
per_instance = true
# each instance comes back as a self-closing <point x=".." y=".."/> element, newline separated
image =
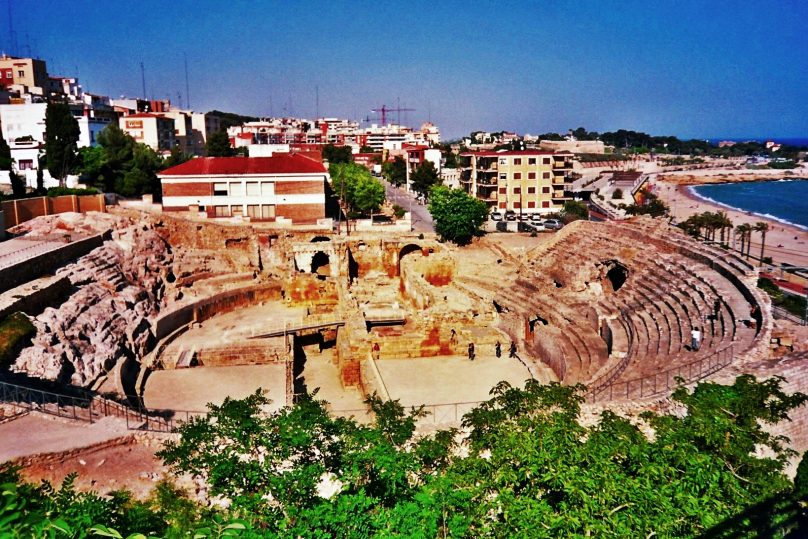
<point x="407" y="249"/>
<point x="616" y="274"/>
<point x="321" y="264"/>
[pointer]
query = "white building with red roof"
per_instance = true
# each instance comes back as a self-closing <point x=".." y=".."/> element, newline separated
<point x="286" y="185"/>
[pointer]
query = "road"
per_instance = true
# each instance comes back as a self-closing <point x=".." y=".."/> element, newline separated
<point x="421" y="219"/>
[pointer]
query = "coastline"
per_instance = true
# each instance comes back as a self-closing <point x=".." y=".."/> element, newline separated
<point x="784" y="242"/>
<point x="712" y="176"/>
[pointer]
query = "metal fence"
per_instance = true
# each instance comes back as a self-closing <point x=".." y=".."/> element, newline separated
<point x="663" y="382"/>
<point x="782" y="314"/>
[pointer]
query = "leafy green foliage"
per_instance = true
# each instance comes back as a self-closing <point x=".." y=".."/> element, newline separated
<point x="64" y="191"/>
<point x="337" y="154"/>
<point x="356" y="187"/>
<point x="527" y="467"/>
<point x="5" y="154"/>
<point x="61" y="139"/>
<point x="458" y="217"/>
<point x="395" y="171"/>
<point x="652" y="205"/>
<point x="574" y="210"/>
<point x="15" y="333"/>
<point x="424" y="178"/>
<point x="218" y="145"/>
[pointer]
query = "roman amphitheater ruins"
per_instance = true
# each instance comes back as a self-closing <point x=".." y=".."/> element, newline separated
<point x="150" y="317"/>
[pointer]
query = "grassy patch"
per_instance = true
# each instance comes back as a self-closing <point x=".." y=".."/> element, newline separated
<point x="15" y="332"/>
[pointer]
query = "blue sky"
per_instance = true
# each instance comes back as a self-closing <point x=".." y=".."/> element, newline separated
<point x="691" y="69"/>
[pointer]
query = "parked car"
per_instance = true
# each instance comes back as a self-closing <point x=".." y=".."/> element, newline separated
<point x="496" y="216"/>
<point x="510" y="215"/>
<point x="552" y="224"/>
<point x="526" y="227"/>
<point x="535" y="217"/>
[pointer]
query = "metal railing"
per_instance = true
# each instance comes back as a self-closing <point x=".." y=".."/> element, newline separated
<point x="783" y="314"/>
<point x="660" y="383"/>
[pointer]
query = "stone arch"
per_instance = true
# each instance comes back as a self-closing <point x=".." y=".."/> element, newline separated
<point x="321" y="264"/>
<point x="404" y="251"/>
<point x="317" y="239"/>
<point x="353" y="267"/>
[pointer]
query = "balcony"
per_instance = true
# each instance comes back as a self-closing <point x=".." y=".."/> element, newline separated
<point x="560" y="195"/>
<point x="562" y="164"/>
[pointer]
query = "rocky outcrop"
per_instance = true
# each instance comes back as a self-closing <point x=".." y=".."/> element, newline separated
<point x="117" y="288"/>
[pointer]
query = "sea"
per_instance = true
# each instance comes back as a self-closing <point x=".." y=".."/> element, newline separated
<point x="785" y="201"/>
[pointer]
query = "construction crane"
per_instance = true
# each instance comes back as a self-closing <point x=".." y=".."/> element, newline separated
<point x="384" y="111"/>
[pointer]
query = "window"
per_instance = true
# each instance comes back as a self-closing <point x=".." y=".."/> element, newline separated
<point x="503" y="190"/>
<point x="516" y="206"/>
<point x="268" y="211"/>
<point x="236" y="189"/>
<point x="220" y="190"/>
<point x="531" y="190"/>
<point x="503" y="161"/>
<point x="545" y="175"/>
<point x="517" y="175"/>
<point x="517" y="160"/>
<point x="531" y="161"/>
<point x="20" y="73"/>
<point x="545" y="190"/>
<point x="503" y="205"/>
<point x="26" y="164"/>
<point x="503" y="176"/>
<point x="517" y="190"/>
<point x="267" y="188"/>
<point x="253" y="210"/>
<point x="221" y="211"/>
<point x="531" y="175"/>
<point x="546" y="161"/>
<point x="253" y="189"/>
<point x="545" y="204"/>
<point x="237" y="211"/>
<point x="531" y="204"/>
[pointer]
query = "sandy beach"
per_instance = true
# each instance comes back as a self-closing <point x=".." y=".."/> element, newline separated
<point x="784" y="243"/>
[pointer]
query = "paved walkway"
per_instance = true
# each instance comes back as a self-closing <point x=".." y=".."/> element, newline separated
<point x="36" y="433"/>
<point x="443" y="380"/>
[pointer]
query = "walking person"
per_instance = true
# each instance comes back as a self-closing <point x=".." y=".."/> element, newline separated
<point x="512" y="350"/>
<point x="471" y="351"/>
<point x="498" y="349"/>
<point x="695" y="339"/>
<point x="376" y="351"/>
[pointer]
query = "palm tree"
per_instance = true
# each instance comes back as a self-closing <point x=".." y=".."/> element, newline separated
<point x="762" y="227"/>
<point x="725" y="224"/>
<point x="745" y="231"/>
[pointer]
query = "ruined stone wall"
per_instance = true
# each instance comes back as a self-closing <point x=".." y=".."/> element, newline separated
<point x="33" y="299"/>
<point x="243" y="354"/>
<point x="38" y="265"/>
<point x="206" y="308"/>
<point x="308" y="289"/>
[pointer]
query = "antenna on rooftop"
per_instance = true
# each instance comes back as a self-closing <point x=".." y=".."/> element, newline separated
<point x="317" y="103"/>
<point x="143" y="79"/>
<point x="187" y="86"/>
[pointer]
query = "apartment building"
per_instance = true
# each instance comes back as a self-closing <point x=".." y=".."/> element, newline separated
<point x="26" y="75"/>
<point x="153" y="130"/>
<point x="288" y="186"/>
<point x="525" y="181"/>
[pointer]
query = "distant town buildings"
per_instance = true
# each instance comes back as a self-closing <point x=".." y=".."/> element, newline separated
<point x="526" y="181"/>
<point x="282" y="187"/>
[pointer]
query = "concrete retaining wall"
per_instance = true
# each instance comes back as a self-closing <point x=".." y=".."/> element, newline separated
<point x="32" y="298"/>
<point x="47" y="262"/>
<point x="19" y="211"/>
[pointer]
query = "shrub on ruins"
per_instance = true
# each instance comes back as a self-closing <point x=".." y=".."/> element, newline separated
<point x="458" y="217"/>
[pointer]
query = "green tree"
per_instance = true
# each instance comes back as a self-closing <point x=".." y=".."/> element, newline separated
<point x="218" y="145"/>
<point x="395" y="171"/>
<point x="745" y="232"/>
<point x="355" y="186"/>
<point x="574" y="210"/>
<point x="763" y="228"/>
<point x="6" y="164"/>
<point x="337" y="154"/>
<point x="366" y="149"/>
<point x="61" y="139"/>
<point x="424" y="178"/>
<point x="176" y="157"/>
<point x="458" y="217"/>
<point x="652" y="206"/>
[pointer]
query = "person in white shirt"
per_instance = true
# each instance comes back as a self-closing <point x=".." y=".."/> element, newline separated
<point x="695" y="339"/>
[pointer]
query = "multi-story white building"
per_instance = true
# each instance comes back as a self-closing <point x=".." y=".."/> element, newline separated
<point x="153" y="130"/>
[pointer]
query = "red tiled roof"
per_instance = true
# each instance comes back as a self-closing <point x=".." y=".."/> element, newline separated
<point x="282" y="163"/>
